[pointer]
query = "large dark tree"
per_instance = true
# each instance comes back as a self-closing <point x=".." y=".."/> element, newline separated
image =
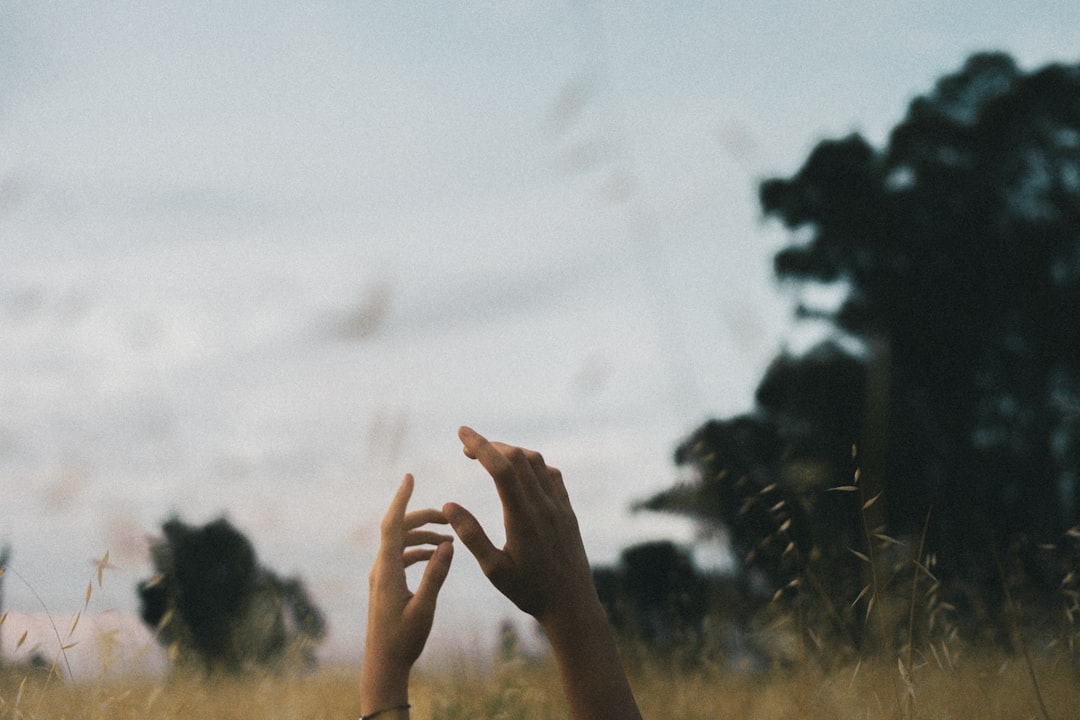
<point x="958" y="245"/>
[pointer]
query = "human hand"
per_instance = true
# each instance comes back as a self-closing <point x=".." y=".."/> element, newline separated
<point x="543" y="567"/>
<point x="398" y="620"/>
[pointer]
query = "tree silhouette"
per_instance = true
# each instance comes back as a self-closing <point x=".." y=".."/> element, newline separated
<point x="958" y="245"/>
<point x="217" y="609"/>
<point x="654" y="595"/>
<point x="763" y="480"/>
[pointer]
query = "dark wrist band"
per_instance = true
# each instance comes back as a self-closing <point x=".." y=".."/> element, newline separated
<point x="404" y="706"/>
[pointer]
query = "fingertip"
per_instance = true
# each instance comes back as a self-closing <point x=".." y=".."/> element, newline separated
<point x="406" y="486"/>
<point x="468" y="436"/>
<point x="396" y="511"/>
<point x="452" y="510"/>
<point x="444" y="557"/>
<point x="442" y="554"/>
<point x="445" y="550"/>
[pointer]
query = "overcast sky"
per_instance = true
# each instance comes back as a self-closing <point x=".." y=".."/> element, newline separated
<point x="259" y="259"/>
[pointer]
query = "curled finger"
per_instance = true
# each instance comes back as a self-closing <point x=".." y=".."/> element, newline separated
<point x="435" y="573"/>
<point x="411" y="557"/>
<point x="558" y="487"/>
<point x="416" y="518"/>
<point x="524" y="464"/>
<point x="426" y="537"/>
<point x="471" y="533"/>
<point x="540" y="471"/>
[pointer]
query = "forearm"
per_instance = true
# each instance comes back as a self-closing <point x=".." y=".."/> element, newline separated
<point x="544" y="570"/>
<point x="592" y="675"/>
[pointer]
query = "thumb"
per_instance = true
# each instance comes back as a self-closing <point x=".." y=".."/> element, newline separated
<point x="472" y="534"/>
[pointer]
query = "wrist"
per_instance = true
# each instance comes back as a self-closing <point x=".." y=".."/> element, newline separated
<point x="586" y="614"/>
<point x="383" y="688"/>
<point x="388" y="713"/>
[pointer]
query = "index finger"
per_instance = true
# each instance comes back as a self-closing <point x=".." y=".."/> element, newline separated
<point x="393" y="522"/>
<point x="496" y="463"/>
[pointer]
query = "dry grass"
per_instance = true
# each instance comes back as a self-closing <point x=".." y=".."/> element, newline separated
<point x="984" y="689"/>
<point x="926" y="678"/>
<point x="955" y="683"/>
<point x="328" y="694"/>
<point x="976" y="691"/>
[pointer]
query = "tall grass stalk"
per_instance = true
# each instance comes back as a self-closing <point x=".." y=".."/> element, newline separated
<point x="1018" y="637"/>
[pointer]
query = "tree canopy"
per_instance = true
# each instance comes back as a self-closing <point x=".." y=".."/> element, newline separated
<point x="958" y="247"/>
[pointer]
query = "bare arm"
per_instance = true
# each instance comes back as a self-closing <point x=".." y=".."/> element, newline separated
<point x="399" y="621"/>
<point x="543" y="569"/>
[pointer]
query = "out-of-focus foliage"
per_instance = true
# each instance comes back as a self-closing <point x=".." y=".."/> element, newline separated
<point x="655" y="595"/>
<point x="764" y="480"/>
<point x="218" y="610"/>
<point x="958" y="245"/>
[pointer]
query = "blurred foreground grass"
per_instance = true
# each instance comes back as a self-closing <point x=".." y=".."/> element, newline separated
<point x="986" y="688"/>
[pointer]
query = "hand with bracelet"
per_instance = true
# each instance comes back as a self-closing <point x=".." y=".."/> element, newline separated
<point x="398" y="620"/>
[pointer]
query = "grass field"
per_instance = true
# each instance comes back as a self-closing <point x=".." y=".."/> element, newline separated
<point x="982" y="688"/>
<point x="935" y="676"/>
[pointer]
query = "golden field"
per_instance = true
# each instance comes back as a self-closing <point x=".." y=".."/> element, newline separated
<point x="949" y="679"/>
<point x="976" y="688"/>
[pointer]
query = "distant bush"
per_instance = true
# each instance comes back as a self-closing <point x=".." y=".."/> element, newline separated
<point x="216" y="609"/>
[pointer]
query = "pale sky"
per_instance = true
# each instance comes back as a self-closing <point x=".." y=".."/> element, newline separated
<point x="260" y="259"/>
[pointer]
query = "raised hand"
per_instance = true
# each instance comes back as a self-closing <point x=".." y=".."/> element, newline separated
<point x="544" y="570"/>
<point x="399" y="621"/>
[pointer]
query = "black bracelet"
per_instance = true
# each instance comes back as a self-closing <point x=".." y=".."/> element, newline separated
<point x="405" y="706"/>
